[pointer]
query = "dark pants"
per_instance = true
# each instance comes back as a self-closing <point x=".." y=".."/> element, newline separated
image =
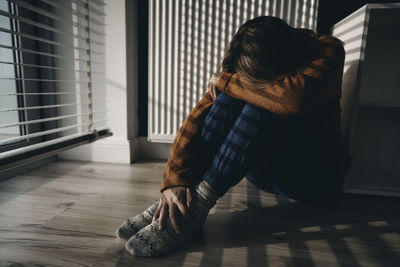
<point x="278" y="155"/>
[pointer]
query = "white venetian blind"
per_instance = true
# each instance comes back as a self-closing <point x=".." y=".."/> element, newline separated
<point x="187" y="39"/>
<point x="51" y="77"/>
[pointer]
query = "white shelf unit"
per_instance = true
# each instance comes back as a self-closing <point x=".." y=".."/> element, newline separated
<point x="371" y="98"/>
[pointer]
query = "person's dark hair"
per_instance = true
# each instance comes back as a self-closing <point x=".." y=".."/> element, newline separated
<point x="265" y="48"/>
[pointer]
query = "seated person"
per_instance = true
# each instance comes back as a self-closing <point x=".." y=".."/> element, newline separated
<point x="271" y="115"/>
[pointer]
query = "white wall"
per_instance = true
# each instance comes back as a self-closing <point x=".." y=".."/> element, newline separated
<point x="115" y="148"/>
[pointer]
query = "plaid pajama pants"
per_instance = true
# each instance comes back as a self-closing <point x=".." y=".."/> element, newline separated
<point x="239" y="140"/>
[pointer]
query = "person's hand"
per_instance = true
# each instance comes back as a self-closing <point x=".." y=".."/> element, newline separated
<point x="175" y="203"/>
<point x="212" y="88"/>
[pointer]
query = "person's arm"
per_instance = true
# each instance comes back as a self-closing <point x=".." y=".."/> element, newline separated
<point x="181" y="168"/>
<point x="317" y="83"/>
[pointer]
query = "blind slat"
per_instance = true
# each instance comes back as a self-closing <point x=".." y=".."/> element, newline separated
<point x="47" y="41"/>
<point x="47" y="67"/>
<point x="13" y="158"/>
<point x="18" y="151"/>
<point x="39" y="134"/>
<point x="53" y="106"/>
<point x="37" y="52"/>
<point x="97" y="2"/>
<point x="84" y="91"/>
<point x="43" y="120"/>
<point x="49" y="93"/>
<point x="43" y="80"/>
<point x="42" y="107"/>
<point x="45" y="54"/>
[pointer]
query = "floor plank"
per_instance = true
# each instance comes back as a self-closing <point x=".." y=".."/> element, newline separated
<point x="66" y="213"/>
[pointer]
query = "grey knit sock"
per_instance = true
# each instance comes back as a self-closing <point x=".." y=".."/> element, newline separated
<point x="133" y="224"/>
<point x="150" y="241"/>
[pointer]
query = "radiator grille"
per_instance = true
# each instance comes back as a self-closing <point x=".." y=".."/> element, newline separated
<point x="187" y="39"/>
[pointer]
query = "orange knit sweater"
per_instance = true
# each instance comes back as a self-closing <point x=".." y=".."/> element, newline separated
<point x="315" y="87"/>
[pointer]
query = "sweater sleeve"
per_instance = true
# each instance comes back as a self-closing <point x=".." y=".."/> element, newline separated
<point x="310" y="87"/>
<point x="182" y="168"/>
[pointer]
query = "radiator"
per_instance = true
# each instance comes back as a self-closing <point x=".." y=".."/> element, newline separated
<point x="187" y="39"/>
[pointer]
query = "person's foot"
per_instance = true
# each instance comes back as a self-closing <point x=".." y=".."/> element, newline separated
<point x="134" y="224"/>
<point x="150" y="241"/>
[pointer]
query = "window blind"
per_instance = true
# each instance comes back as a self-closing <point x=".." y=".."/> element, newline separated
<point x="52" y="94"/>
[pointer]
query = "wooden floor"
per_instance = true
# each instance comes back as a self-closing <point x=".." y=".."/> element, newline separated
<point x="66" y="213"/>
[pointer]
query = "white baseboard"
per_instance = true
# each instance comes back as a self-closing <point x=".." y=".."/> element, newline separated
<point x="115" y="150"/>
<point x="141" y="148"/>
<point x="112" y="150"/>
